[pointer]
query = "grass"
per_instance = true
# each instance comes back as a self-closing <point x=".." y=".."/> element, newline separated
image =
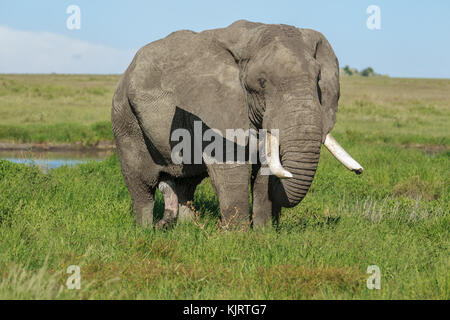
<point x="408" y="112"/>
<point x="395" y="216"/>
<point x="76" y="108"/>
<point x="56" y="108"/>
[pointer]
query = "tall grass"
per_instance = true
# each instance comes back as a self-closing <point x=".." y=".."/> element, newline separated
<point x="321" y="249"/>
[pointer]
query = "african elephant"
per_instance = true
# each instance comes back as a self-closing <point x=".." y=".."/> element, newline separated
<point x="245" y="76"/>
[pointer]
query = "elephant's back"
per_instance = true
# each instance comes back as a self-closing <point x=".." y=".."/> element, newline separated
<point x="171" y="52"/>
<point x="184" y="75"/>
<point x="190" y="68"/>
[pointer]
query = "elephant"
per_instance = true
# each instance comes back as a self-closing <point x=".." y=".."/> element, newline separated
<point x="245" y="76"/>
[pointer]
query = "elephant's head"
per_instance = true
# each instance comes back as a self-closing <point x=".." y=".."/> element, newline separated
<point x="292" y="79"/>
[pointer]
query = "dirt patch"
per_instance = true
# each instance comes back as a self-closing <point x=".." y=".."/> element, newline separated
<point x="57" y="147"/>
<point x="102" y="150"/>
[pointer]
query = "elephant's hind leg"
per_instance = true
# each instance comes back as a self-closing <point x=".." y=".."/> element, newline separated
<point x="139" y="170"/>
<point x="140" y="176"/>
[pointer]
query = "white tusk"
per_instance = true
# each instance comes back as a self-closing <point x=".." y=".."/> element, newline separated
<point x="273" y="157"/>
<point x="339" y="153"/>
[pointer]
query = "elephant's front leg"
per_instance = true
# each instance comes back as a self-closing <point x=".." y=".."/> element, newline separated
<point x="265" y="211"/>
<point x="262" y="206"/>
<point x="230" y="182"/>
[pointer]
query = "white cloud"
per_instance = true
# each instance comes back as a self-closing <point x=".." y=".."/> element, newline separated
<point x="45" y="52"/>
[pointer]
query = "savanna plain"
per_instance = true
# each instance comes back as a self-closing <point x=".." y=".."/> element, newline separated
<point x="395" y="215"/>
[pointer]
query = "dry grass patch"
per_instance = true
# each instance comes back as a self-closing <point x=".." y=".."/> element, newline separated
<point x="299" y="282"/>
<point x="417" y="189"/>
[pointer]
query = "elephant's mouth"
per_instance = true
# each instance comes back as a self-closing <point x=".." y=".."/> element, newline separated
<point x="273" y="156"/>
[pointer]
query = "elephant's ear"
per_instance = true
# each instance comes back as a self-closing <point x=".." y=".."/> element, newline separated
<point x="328" y="84"/>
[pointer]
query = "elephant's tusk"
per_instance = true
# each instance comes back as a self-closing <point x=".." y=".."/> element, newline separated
<point x="339" y="153"/>
<point x="273" y="158"/>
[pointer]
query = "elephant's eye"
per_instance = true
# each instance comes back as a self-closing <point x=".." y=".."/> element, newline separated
<point x="262" y="82"/>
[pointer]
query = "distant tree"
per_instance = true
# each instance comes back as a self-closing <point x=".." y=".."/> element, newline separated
<point x="367" y="72"/>
<point x="348" y="71"/>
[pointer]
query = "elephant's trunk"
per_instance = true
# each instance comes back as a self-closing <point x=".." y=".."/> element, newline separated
<point x="300" y="142"/>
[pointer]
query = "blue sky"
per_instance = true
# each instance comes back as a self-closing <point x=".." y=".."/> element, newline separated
<point x="414" y="39"/>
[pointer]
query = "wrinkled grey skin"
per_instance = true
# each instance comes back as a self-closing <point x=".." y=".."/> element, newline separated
<point x="247" y="75"/>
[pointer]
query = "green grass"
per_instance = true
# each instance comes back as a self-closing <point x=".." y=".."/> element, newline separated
<point x="70" y="133"/>
<point x="74" y="108"/>
<point x="395" y="111"/>
<point x="395" y="215"/>
<point x="56" y="108"/>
